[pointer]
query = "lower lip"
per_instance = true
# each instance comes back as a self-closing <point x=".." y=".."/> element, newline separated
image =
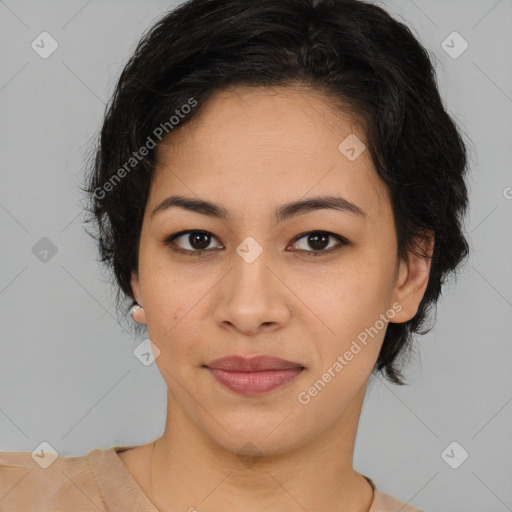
<point x="254" y="383"/>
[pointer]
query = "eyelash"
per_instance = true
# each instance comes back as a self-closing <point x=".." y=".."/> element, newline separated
<point x="169" y="241"/>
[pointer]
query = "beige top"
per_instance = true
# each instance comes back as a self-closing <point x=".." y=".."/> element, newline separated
<point x="98" y="481"/>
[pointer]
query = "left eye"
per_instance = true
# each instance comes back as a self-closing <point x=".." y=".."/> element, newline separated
<point x="318" y="241"/>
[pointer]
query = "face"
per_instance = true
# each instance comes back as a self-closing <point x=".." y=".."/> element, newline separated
<point x="315" y="285"/>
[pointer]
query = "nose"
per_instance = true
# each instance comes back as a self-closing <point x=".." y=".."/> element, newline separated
<point x="252" y="298"/>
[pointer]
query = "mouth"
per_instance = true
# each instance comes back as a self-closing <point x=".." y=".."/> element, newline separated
<point x="253" y="376"/>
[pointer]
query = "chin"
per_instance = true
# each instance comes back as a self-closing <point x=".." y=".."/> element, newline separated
<point x="258" y="443"/>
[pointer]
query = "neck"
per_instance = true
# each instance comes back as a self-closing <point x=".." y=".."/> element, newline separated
<point x="190" y="470"/>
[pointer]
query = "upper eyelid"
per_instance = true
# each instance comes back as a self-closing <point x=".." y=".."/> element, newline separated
<point x="329" y="233"/>
<point x="179" y="234"/>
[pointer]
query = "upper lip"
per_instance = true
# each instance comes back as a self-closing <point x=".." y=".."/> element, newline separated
<point x="236" y="363"/>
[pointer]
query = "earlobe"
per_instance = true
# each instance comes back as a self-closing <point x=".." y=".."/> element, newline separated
<point x="139" y="314"/>
<point x="412" y="279"/>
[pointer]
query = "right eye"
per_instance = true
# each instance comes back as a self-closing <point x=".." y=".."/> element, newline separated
<point x="197" y="240"/>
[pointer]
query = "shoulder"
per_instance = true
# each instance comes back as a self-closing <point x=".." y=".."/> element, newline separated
<point x="383" y="502"/>
<point x="31" y="481"/>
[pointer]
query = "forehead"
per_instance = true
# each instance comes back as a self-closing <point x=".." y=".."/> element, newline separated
<point x="253" y="144"/>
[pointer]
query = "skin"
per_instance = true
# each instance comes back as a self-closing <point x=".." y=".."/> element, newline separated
<point x="251" y="151"/>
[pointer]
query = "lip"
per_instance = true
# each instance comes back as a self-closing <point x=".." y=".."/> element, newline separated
<point x="253" y="376"/>
<point x="236" y="363"/>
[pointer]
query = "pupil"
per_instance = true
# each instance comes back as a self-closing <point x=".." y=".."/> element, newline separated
<point x="199" y="240"/>
<point x="313" y="240"/>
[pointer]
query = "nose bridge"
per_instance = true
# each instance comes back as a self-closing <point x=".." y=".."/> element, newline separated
<point x="251" y="294"/>
<point x="251" y="277"/>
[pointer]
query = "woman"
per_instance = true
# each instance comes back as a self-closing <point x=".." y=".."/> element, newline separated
<point x="279" y="192"/>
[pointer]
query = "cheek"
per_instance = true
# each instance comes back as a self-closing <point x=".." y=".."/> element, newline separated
<point x="350" y="301"/>
<point x="354" y="307"/>
<point x="176" y="300"/>
<point x="163" y="293"/>
<point x="169" y="289"/>
<point x="357" y="289"/>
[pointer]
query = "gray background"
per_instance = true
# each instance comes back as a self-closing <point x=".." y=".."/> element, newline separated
<point x="68" y="374"/>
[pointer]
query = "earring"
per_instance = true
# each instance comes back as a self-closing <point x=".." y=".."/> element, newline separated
<point x="134" y="308"/>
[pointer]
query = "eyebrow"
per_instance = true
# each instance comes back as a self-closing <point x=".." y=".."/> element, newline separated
<point x="283" y="213"/>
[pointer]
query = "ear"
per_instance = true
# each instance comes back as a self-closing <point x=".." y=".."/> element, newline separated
<point x="412" y="278"/>
<point x="139" y="315"/>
